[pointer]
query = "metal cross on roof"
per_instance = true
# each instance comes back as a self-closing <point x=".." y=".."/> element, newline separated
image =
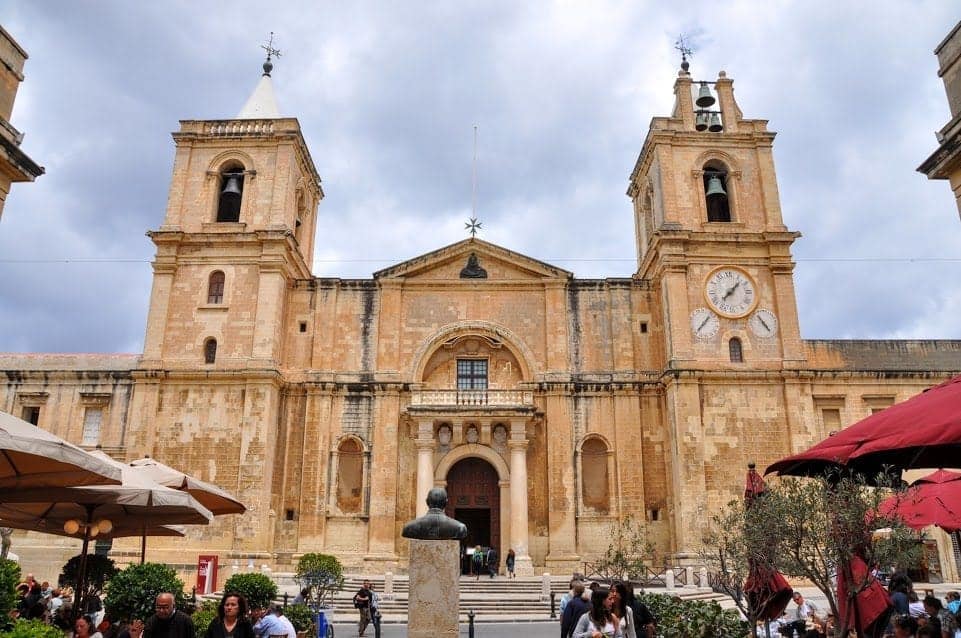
<point x="473" y="226"/>
<point x="683" y="45"/>
<point x="269" y="48"/>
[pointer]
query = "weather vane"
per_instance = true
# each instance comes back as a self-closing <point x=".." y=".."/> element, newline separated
<point x="269" y="47"/>
<point x="473" y="226"/>
<point x="683" y="45"/>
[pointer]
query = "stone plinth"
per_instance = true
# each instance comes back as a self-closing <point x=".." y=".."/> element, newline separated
<point x="434" y="599"/>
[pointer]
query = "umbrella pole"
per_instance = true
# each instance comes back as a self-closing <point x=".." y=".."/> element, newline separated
<point x="82" y="574"/>
<point x="143" y="547"/>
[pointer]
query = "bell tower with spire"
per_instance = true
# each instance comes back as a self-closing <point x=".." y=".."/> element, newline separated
<point x="713" y="246"/>
<point x="239" y="229"/>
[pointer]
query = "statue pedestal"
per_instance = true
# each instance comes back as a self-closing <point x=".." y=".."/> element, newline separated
<point x="434" y="598"/>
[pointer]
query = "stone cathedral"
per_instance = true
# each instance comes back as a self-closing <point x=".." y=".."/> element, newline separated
<point x="548" y="406"/>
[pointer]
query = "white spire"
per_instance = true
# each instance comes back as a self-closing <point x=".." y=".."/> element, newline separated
<point x="261" y="104"/>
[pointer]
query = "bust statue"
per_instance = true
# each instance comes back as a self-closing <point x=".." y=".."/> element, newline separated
<point x="435" y="525"/>
<point x="473" y="269"/>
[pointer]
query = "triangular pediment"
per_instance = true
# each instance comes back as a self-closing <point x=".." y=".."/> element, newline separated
<point x="490" y="262"/>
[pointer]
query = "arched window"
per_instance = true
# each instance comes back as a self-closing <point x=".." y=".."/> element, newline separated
<point x="595" y="482"/>
<point x="350" y="476"/>
<point x="736" y="350"/>
<point x="210" y="350"/>
<point x="716" y="192"/>
<point x="231" y="193"/>
<point x="215" y="287"/>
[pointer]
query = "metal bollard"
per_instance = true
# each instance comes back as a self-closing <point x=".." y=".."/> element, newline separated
<point x="376" y="623"/>
<point x="470" y="624"/>
<point x="285" y="600"/>
<point x="193" y="597"/>
<point x="553" y="608"/>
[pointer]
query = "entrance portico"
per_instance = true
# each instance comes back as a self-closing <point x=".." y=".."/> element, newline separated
<point x="500" y="440"/>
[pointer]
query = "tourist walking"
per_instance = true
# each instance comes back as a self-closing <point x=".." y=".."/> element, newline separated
<point x="492" y="561"/>
<point x="575" y="607"/>
<point x="509" y="563"/>
<point x="231" y="620"/>
<point x="362" y="603"/>
<point x="617" y="603"/>
<point x="599" y="622"/>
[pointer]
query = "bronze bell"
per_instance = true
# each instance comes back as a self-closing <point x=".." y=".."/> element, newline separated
<point x="701" y="122"/>
<point x="232" y="184"/>
<point x="704" y="97"/>
<point x="715" y="187"/>
<point x="715" y="126"/>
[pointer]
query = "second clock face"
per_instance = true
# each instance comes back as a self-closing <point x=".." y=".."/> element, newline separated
<point x="730" y="292"/>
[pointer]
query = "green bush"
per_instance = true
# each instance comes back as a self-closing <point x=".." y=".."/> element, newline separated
<point x="32" y="629"/>
<point x="131" y="593"/>
<point x="301" y="618"/>
<point x="99" y="571"/>
<point x="205" y="615"/>
<point x="9" y="577"/>
<point x="257" y="588"/>
<point x="693" y="618"/>
<point x="322" y="575"/>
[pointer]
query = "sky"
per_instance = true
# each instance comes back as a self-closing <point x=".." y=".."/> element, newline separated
<point x="388" y="95"/>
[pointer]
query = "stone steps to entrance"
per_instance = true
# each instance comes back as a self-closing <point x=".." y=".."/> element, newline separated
<point x="498" y="600"/>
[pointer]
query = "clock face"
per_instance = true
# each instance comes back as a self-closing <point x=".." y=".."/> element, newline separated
<point x="704" y="323"/>
<point x="730" y="292"/>
<point x="763" y="323"/>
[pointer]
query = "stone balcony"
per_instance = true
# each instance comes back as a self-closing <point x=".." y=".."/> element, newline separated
<point x="472" y="398"/>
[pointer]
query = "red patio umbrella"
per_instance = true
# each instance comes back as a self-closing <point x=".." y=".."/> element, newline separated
<point x="872" y="606"/>
<point x="934" y="499"/>
<point x="765" y="587"/>
<point x="924" y="431"/>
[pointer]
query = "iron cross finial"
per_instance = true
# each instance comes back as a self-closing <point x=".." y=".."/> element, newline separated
<point x="473" y="226"/>
<point x="269" y="47"/>
<point x="683" y="45"/>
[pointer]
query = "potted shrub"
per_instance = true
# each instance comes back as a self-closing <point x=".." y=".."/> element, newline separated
<point x="321" y="575"/>
<point x="9" y="577"/>
<point x="132" y="592"/>
<point x="302" y="618"/>
<point x="258" y="589"/>
<point x="99" y="570"/>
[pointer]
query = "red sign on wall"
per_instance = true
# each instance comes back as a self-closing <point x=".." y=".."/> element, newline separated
<point x="207" y="574"/>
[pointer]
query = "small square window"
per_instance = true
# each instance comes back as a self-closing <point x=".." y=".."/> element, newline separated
<point x="289" y="515"/>
<point x="303" y="326"/>
<point x="31" y="414"/>
<point x="643" y="327"/>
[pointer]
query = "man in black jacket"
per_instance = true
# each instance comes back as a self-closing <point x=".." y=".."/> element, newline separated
<point x="576" y="608"/>
<point x="167" y="621"/>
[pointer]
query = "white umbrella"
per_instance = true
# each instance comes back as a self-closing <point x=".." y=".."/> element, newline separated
<point x="31" y="457"/>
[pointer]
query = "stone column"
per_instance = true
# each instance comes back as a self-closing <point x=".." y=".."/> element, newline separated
<point x="425" y="464"/>
<point x="519" y="542"/>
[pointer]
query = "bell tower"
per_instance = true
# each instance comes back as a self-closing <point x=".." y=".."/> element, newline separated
<point x="712" y="244"/>
<point x="239" y="229"/>
<point x="710" y="235"/>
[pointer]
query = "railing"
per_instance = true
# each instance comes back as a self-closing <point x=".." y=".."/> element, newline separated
<point x="670" y="576"/>
<point x="487" y="398"/>
<point x="239" y="127"/>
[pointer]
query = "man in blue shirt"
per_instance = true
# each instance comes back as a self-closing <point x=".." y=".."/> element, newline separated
<point x="269" y="624"/>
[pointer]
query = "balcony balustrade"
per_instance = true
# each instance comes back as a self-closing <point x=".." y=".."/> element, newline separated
<point x="486" y="398"/>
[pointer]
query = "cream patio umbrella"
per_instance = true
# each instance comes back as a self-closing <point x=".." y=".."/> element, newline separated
<point x="31" y="457"/>
<point x="90" y="510"/>
<point x="218" y="501"/>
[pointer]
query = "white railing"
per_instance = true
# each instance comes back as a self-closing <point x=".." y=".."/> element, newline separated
<point x="472" y="397"/>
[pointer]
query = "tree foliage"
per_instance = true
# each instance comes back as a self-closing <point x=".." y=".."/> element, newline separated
<point x="32" y="629"/>
<point x="98" y="572"/>
<point x="204" y="615"/>
<point x="301" y="617"/>
<point x="321" y="575"/>
<point x="810" y="529"/>
<point x="132" y="592"/>
<point x="259" y="589"/>
<point x="629" y="552"/>
<point x="693" y="618"/>
<point x="9" y="577"/>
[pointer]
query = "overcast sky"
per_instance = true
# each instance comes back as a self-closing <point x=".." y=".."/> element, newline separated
<point x="388" y="94"/>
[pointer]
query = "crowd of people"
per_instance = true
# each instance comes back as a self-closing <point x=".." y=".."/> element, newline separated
<point x="597" y="612"/>
<point x="912" y="616"/>
<point x="54" y="606"/>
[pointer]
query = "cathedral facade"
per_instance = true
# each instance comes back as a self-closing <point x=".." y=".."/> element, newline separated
<point x="549" y="406"/>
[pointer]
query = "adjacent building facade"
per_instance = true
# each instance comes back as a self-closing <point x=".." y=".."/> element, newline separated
<point x="549" y="406"/>
<point x="15" y="165"/>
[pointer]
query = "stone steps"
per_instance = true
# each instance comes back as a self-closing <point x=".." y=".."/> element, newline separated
<point x="492" y="600"/>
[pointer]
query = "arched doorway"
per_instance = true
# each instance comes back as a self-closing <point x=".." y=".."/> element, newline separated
<point x="473" y="497"/>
